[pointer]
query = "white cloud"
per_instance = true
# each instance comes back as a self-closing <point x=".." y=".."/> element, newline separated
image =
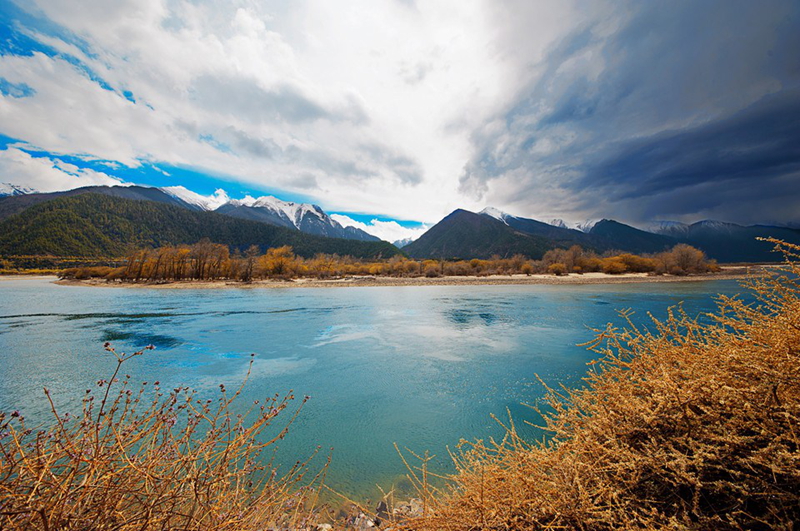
<point x="367" y="106"/>
<point x="47" y="175"/>
<point x="390" y="231"/>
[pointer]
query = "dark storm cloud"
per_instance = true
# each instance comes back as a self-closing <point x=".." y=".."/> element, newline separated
<point x="680" y="97"/>
<point x="757" y="145"/>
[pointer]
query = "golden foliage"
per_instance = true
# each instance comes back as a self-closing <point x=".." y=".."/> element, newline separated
<point x="693" y="425"/>
<point x="209" y="261"/>
<point x="162" y="459"/>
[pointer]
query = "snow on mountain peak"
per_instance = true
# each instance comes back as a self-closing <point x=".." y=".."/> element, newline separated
<point x="715" y="225"/>
<point x="668" y="228"/>
<point x="247" y="200"/>
<point x="15" y="189"/>
<point x="205" y="202"/>
<point x="586" y="226"/>
<point x="293" y="212"/>
<point x="494" y="213"/>
<point x="583" y="226"/>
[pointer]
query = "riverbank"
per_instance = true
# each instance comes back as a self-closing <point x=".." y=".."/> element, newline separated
<point x="727" y="273"/>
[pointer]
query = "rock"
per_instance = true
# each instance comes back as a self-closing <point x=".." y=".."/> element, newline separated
<point x="363" y="523"/>
<point x="381" y="513"/>
<point x="409" y="509"/>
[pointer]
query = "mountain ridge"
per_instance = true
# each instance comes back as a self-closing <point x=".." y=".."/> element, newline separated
<point x="304" y="217"/>
<point x="460" y="234"/>
<point x="102" y="225"/>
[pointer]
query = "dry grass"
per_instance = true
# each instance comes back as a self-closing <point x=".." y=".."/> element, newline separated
<point x="686" y="426"/>
<point x="151" y="458"/>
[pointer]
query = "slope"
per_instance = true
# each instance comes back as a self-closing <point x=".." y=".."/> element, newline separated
<point x="15" y="204"/>
<point x="626" y="238"/>
<point x="728" y="242"/>
<point x="98" y="225"/>
<point x="464" y="234"/>
<point x="561" y="236"/>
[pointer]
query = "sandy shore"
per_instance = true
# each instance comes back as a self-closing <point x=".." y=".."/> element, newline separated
<point x="363" y="281"/>
<point x="27" y="277"/>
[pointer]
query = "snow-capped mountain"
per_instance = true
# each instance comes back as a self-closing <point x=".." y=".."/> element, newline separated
<point x="586" y="226"/>
<point x="712" y="225"/>
<point x="7" y="189"/>
<point x="676" y="229"/>
<point x="583" y="226"/>
<point x="201" y="202"/>
<point x="304" y="217"/>
<point x="402" y="243"/>
<point x="495" y="213"/>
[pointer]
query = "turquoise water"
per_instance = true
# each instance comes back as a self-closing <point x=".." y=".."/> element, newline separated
<point x="419" y="366"/>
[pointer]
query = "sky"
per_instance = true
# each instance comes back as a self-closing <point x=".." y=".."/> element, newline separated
<point x="392" y="113"/>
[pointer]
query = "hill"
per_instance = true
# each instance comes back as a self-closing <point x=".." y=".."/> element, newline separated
<point x="464" y="234"/>
<point x="561" y="236"/>
<point x="101" y="225"/>
<point x="15" y="204"/>
<point x="626" y="238"/>
<point x="729" y="242"/>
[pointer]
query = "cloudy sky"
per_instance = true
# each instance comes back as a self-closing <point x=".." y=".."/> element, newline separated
<point x="403" y="110"/>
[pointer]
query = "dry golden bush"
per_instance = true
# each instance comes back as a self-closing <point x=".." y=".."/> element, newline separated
<point x="151" y="458"/>
<point x="689" y="425"/>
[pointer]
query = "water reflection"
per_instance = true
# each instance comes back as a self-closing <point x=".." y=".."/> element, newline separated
<point x="422" y="366"/>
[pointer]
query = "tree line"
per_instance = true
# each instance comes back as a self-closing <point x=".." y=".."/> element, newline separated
<point x="213" y="261"/>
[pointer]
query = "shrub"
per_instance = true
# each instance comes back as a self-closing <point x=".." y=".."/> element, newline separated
<point x="137" y="460"/>
<point x="684" y="260"/>
<point x="558" y="269"/>
<point x="613" y="266"/>
<point x="691" y="426"/>
<point x="638" y="264"/>
<point x="591" y="264"/>
<point x="432" y="271"/>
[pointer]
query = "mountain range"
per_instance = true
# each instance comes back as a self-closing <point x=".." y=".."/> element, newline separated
<point x="464" y="234"/>
<point x="57" y="223"/>
<point x="110" y="225"/>
<point x="304" y="217"/>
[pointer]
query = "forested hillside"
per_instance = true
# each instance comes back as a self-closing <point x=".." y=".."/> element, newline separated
<point x="93" y="225"/>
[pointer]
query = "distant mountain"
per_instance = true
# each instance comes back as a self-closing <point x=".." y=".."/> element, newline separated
<point x="108" y="226"/>
<point x="402" y="243"/>
<point x="729" y="242"/>
<point x="464" y="234"/>
<point x="7" y="189"/>
<point x="673" y="229"/>
<point x="583" y="226"/>
<point x="561" y="236"/>
<point x="199" y="202"/>
<point x="304" y="217"/>
<point x="16" y="204"/>
<point x="626" y="238"/>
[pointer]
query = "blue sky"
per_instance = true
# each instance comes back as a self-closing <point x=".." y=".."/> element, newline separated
<point x="391" y="110"/>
